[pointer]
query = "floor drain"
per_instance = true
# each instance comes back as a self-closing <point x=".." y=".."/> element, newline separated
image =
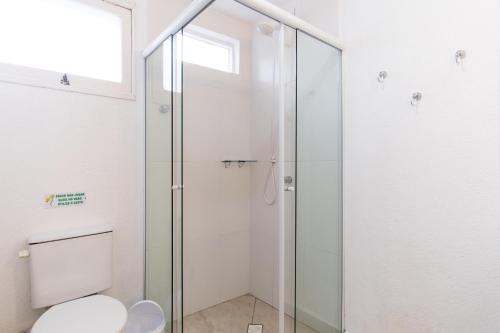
<point x="255" y="328"/>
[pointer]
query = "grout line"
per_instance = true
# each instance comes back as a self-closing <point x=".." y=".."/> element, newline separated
<point x="254" y="304"/>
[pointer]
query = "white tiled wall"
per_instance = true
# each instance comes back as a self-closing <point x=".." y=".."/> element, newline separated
<point x="264" y="218"/>
<point x="217" y="110"/>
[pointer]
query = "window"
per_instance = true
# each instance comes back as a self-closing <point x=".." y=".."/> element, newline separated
<point x="201" y="47"/>
<point x="210" y="49"/>
<point x="78" y="45"/>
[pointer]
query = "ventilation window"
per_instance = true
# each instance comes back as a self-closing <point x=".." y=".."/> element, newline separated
<point x="82" y="45"/>
<point x="210" y="49"/>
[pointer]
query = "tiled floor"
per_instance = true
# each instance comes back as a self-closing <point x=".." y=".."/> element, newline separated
<point x="234" y="316"/>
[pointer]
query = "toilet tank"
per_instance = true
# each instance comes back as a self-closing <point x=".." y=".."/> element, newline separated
<point x="70" y="264"/>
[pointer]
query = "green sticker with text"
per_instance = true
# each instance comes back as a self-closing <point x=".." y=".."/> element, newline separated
<point x="65" y="199"/>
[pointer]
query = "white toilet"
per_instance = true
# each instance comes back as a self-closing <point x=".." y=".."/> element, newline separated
<point x="67" y="270"/>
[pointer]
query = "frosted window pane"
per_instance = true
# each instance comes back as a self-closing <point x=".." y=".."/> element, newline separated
<point x="207" y="54"/>
<point x="63" y="36"/>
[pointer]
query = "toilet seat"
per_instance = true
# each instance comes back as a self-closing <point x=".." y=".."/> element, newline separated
<point x="96" y="314"/>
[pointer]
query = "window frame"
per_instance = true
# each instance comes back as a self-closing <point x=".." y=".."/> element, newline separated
<point x="31" y="76"/>
<point x="219" y="40"/>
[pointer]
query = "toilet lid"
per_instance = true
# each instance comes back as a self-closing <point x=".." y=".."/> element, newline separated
<point x="96" y="314"/>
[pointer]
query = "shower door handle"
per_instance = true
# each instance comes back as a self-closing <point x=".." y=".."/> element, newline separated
<point x="289" y="189"/>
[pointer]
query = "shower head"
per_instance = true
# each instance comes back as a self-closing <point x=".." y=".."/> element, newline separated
<point x="265" y="29"/>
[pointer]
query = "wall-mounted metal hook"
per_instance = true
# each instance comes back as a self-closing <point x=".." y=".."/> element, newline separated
<point x="382" y="76"/>
<point x="416" y="98"/>
<point x="460" y="56"/>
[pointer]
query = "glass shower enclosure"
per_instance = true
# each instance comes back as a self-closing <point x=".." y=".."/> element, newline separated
<point x="244" y="172"/>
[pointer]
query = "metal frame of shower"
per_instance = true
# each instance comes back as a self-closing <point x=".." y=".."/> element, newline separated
<point x="284" y="18"/>
<point x="261" y="6"/>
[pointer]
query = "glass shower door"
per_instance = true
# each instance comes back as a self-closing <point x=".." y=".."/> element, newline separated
<point x="159" y="226"/>
<point x="318" y="284"/>
<point x="164" y="180"/>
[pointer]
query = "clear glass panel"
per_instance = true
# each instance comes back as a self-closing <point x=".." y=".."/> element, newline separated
<point x="159" y="244"/>
<point x="289" y="172"/>
<point x="178" y="176"/>
<point x="319" y="215"/>
<point x="66" y="36"/>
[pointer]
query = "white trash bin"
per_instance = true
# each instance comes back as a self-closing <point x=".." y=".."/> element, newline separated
<point x="145" y="317"/>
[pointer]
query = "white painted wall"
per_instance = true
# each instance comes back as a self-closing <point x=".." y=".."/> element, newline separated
<point x="160" y="13"/>
<point x="324" y="14"/>
<point x="422" y="186"/>
<point x="55" y="141"/>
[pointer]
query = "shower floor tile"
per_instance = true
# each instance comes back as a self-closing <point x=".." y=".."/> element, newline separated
<point x="235" y="315"/>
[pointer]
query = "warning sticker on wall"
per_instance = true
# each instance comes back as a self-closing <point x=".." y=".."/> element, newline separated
<point x="65" y="199"/>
